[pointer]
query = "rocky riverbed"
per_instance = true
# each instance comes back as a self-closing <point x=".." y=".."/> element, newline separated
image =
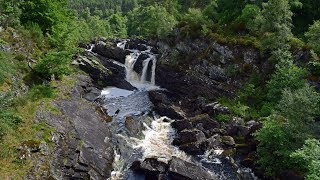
<point x="138" y="114"/>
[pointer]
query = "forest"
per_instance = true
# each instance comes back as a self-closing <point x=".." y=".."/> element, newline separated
<point x="39" y="39"/>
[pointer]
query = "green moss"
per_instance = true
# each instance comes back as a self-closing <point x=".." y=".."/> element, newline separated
<point x="223" y="117"/>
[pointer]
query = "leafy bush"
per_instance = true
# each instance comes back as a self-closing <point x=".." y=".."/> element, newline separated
<point x="308" y="158"/>
<point x="223" y="117"/>
<point x="150" y="21"/>
<point x="277" y="142"/>
<point x="299" y="106"/>
<point x="40" y="91"/>
<point x="287" y="76"/>
<point x="194" y="23"/>
<point x="118" y="25"/>
<point x="54" y="64"/>
<point x="247" y="17"/>
<point x="313" y="36"/>
<point x="46" y="13"/>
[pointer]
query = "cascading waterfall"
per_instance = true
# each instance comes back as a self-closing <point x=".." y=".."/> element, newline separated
<point x="144" y="70"/>
<point x="131" y="75"/>
<point x="156" y="136"/>
<point x="130" y="62"/>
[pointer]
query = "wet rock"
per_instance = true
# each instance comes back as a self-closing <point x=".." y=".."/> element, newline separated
<point x="253" y="126"/>
<point x="188" y="136"/>
<point x="150" y="165"/>
<point x="191" y="141"/>
<point x="223" y="52"/>
<point x="215" y="108"/>
<point x="189" y="85"/>
<point x="228" y="140"/>
<point x="204" y="121"/>
<point x="169" y="111"/>
<point x="110" y="51"/>
<point x="133" y="126"/>
<point x="159" y="97"/>
<point x="180" y="125"/>
<point x="229" y="152"/>
<point x="92" y="94"/>
<point x="180" y="169"/>
<point x="103" y="72"/>
<point x="137" y="44"/>
<point x="212" y="71"/>
<point x="194" y="148"/>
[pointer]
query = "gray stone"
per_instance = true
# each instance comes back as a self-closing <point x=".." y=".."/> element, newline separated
<point x="181" y="169"/>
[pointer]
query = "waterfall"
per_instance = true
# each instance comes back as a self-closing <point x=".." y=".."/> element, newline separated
<point x="130" y="62"/>
<point x="144" y="70"/>
<point x="153" y="73"/>
<point x="131" y="75"/>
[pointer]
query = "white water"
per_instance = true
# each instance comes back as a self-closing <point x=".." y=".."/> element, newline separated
<point x="157" y="133"/>
<point x="157" y="142"/>
<point x="133" y="77"/>
<point x="144" y="70"/>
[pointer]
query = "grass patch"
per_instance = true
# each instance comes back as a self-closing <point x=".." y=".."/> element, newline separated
<point x="7" y="66"/>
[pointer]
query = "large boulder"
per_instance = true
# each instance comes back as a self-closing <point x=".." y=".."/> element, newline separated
<point x="110" y="51"/>
<point x="103" y="72"/>
<point x="182" y="170"/>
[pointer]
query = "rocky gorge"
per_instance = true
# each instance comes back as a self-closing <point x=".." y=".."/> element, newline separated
<point x="138" y="113"/>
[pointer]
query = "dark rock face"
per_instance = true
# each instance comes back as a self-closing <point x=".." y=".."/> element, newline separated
<point x="103" y="72"/>
<point x="164" y="104"/>
<point x="181" y="170"/>
<point x="83" y="147"/>
<point x="176" y="169"/>
<point x="188" y="85"/>
<point x="110" y="51"/>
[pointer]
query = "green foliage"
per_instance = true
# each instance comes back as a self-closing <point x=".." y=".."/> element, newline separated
<point x="9" y="13"/>
<point x="39" y="92"/>
<point x="7" y="66"/>
<point x="54" y="64"/>
<point x="211" y="11"/>
<point x="247" y="17"/>
<point x="275" y="24"/>
<point x="313" y="36"/>
<point x="151" y="21"/>
<point x="305" y="16"/>
<point x="308" y="157"/>
<point x="194" y="23"/>
<point x="287" y="76"/>
<point x="46" y="13"/>
<point x="277" y="142"/>
<point x="223" y="117"/>
<point x="229" y="10"/>
<point x="118" y="25"/>
<point x="299" y="106"/>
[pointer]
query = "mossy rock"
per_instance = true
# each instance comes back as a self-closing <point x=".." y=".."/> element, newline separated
<point x="229" y="152"/>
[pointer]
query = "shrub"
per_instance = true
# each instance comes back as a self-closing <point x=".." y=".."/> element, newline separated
<point x="54" y="64"/>
<point x="313" y="36"/>
<point x="247" y="17"/>
<point x="194" y="23"/>
<point x="276" y="142"/>
<point x="150" y="21"/>
<point x="40" y="91"/>
<point x="308" y="158"/>
<point x="299" y="106"/>
<point x="223" y="117"/>
<point x="287" y="76"/>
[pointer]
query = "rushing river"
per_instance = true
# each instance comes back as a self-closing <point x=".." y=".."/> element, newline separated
<point x="149" y="135"/>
